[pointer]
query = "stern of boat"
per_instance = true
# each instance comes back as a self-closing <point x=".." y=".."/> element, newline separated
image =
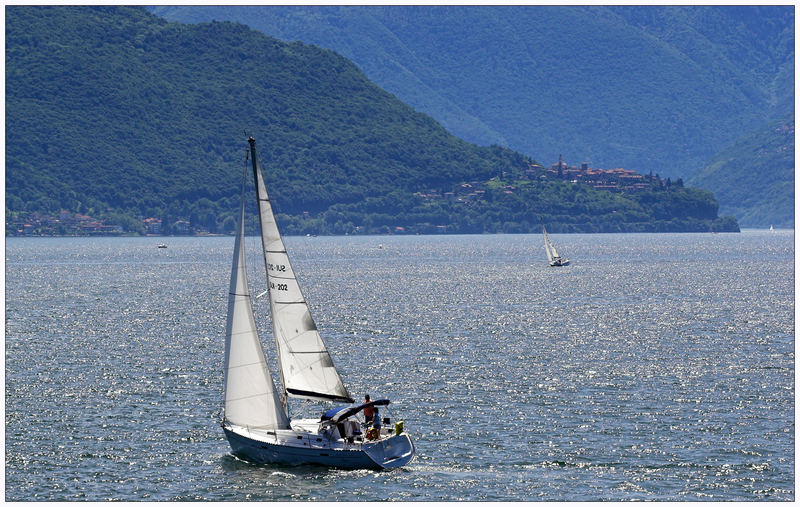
<point x="392" y="452"/>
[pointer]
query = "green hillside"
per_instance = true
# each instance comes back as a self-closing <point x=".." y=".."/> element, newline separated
<point x="117" y="114"/>
<point x="754" y="178"/>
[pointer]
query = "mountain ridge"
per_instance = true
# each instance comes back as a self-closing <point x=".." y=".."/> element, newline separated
<point x="592" y="82"/>
<point x="114" y="112"/>
<point x="758" y="160"/>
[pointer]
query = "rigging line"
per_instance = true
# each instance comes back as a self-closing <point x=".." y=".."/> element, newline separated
<point x="244" y="171"/>
<point x="244" y="365"/>
<point x="251" y="396"/>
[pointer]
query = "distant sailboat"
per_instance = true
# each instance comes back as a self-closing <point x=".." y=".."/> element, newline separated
<point x="552" y="254"/>
<point x="256" y="418"/>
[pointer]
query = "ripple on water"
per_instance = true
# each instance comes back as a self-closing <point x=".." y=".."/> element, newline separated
<point x="656" y="367"/>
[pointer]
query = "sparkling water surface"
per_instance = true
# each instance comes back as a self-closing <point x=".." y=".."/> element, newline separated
<point x="653" y="367"/>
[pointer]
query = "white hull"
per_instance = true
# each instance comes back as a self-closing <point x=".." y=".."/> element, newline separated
<point x="298" y="446"/>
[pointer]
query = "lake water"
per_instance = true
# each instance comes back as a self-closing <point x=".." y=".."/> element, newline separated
<point x="654" y="367"/>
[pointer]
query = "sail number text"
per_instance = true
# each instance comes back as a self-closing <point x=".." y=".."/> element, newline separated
<point x="280" y="268"/>
<point x="278" y="286"/>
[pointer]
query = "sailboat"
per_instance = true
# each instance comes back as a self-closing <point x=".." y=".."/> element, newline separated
<point x="256" y="416"/>
<point x="552" y="254"/>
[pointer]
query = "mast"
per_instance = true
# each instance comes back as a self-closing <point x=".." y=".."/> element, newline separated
<point x="259" y="197"/>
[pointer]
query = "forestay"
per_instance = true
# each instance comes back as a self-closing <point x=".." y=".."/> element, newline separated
<point x="250" y="395"/>
<point x="306" y="367"/>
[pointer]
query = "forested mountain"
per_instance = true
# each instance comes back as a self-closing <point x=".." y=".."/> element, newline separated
<point x="648" y="88"/>
<point x="753" y="179"/>
<point x="116" y="113"/>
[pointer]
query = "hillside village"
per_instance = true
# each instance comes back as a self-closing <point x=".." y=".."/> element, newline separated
<point x="610" y="180"/>
<point x="78" y="224"/>
<point x="613" y="180"/>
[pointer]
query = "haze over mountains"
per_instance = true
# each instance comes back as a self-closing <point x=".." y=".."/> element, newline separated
<point x="750" y="163"/>
<point x="656" y="88"/>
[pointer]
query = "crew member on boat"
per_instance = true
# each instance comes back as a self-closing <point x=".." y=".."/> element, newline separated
<point x="372" y="418"/>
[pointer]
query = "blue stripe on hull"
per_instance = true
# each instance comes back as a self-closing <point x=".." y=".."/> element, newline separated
<point x="264" y="453"/>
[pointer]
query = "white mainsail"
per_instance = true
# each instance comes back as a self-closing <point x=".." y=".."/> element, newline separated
<point x="250" y="395"/>
<point x="307" y="370"/>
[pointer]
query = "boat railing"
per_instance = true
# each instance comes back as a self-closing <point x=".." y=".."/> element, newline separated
<point x="318" y="441"/>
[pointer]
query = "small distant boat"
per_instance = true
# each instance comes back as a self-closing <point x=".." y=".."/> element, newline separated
<point x="256" y="416"/>
<point x="552" y="254"/>
<point x="162" y="245"/>
<point x="771" y="229"/>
